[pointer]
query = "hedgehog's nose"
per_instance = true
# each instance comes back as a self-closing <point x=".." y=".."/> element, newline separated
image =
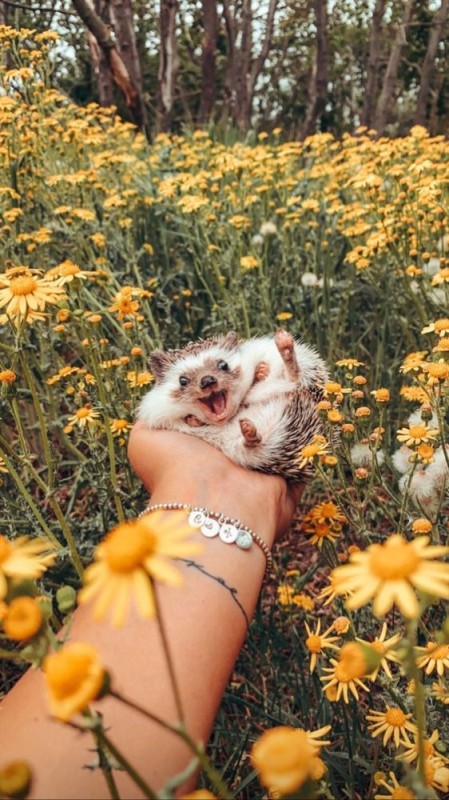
<point x="207" y="380"/>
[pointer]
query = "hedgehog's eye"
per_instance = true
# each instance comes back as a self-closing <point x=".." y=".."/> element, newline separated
<point x="223" y="365"/>
<point x="184" y="381"/>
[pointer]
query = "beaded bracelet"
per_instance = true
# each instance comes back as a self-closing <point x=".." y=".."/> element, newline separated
<point x="210" y="524"/>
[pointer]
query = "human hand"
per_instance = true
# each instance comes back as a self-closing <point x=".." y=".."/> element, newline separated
<point x="177" y="467"/>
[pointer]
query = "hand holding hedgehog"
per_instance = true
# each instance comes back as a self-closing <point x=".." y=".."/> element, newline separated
<point x="254" y="399"/>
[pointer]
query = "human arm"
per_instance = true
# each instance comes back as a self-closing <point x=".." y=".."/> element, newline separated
<point x="204" y="625"/>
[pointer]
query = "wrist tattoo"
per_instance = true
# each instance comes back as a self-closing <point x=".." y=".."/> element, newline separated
<point x="189" y="562"/>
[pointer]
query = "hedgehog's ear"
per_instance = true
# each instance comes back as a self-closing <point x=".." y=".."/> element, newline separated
<point x="159" y="363"/>
<point x="230" y="341"/>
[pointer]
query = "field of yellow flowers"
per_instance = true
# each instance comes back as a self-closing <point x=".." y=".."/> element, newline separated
<point x="112" y="247"/>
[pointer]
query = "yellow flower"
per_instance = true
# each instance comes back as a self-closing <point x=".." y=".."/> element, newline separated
<point x="120" y="426"/>
<point x="15" y="779"/>
<point x="396" y="791"/>
<point x="440" y="692"/>
<point x="124" y="305"/>
<point x="344" y="677"/>
<point x="316" y="642"/>
<point x="411" y="750"/>
<point x="199" y="794"/>
<point x="3" y="468"/>
<point x="24" y="295"/>
<point x="319" y="532"/>
<point x="341" y="625"/>
<point x="381" y="395"/>
<point x="437" y="774"/>
<point x="392" y="722"/>
<point x="328" y="512"/>
<point x="383" y="646"/>
<point x="285" y="594"/>
<point x="416" y="434"/>
<point x="23" y="619"/>
<point x="388" y="573"/>
<point x="440" y="326"/>
<point x="84" y="416"/>
<point x="414" y="394"/>
<point x="66" y="272"/>
<point x="136" y="379"/>
<point x="284" y="315"/>
<point x="7" y="376"/>
<point x="436" y="657"/>
<point x="282" y="757"/>
<point x="310" y="452"/>
<point x="23" y="558"/>
<point x="304" y="601"/>
<point x="128" y="560"/>
<point x="349" y="363"/>
<point x="249" y="262"/>
<point x="75" y="677"/>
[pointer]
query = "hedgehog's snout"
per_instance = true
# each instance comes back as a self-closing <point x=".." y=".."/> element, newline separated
<point x="207" y="381"/>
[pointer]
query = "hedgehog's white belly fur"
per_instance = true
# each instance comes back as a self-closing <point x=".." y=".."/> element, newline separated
<point x="271" y="423"/>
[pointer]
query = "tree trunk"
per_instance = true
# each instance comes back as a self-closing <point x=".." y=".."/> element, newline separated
<point x="3" y="13"/>
<point x="105" y="84"/>
<point x="386" y="96"/>
<point x="123" y="24"/>
<point x="168" y="64"/>
<point x="243" y="71"/>
<point x="372" y="71"/>
<point x="435" y="37"/>
<point x="210" y="22"/>
<point x="318" y="78"/>
<point x="119" y="73"/>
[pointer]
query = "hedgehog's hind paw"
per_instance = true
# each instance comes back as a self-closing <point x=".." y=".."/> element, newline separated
<point x="262" y="371"/>
<point x="286" y="346"/>
<point x="249" y="430"/>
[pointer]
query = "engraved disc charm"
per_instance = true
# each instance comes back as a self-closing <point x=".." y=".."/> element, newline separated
<point x="228" y="533"/>
<point x="196" y="519"/>
<point x="210" y="528"/>
<point x="244" y="540"/>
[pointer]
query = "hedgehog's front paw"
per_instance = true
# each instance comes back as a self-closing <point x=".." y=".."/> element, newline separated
<point x="286" y="346"/>
<point x="249" y="430"/>
<point x="262" y="371"/>
<point x="194" y="422"/>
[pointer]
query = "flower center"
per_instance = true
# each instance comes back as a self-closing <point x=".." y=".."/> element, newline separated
<point x="418" y="431"/>
<point x="379" y="647"/>
<point x="438" y="652"/>
<point x="313" y="643"/>
<point x="23" y="286"/>
<point x="5" y="549"/>
<point x="83" y="412"/>
<point x="393" y="562"/>
<point x="395" y="717"/>
<point x="128" y="546"/>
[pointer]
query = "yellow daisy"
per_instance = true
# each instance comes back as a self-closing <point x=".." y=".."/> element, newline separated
<point x="84" y="416"/>
<point x="316" y="642"/>
<point x="349" y="363"/>
<point x="128" y="560"/>
<point x="416" y="434"/>
<point x="341" y="677"/>
<point x="24" y="293"/>
<point x="383" y="646"/>
<point x="66" y="272"/>
<point x="23" y="558"/>
<point x="396" y="790"/>
<point x="75" y="677"/>
<point x="392" y="723"/>
<point x="389" y="573"/>
<point x="436" y="657"/>
<point x="310" y="452"/>
<point x="411" y="748"/>
<point x="440" y="692"/>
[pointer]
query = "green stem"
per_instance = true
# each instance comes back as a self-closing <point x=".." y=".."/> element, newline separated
<point x="42" y="423"/>
<point x="106" y="768"/>
<point x="106" y="742"/>
<point x="168" y="658"/>
<point x="418" y="696"/>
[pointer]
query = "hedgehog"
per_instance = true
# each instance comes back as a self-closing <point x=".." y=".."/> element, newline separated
<point x="254" y="399"/>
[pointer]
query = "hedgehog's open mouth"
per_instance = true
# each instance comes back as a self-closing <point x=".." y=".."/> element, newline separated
<point x="216" y="402"/>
